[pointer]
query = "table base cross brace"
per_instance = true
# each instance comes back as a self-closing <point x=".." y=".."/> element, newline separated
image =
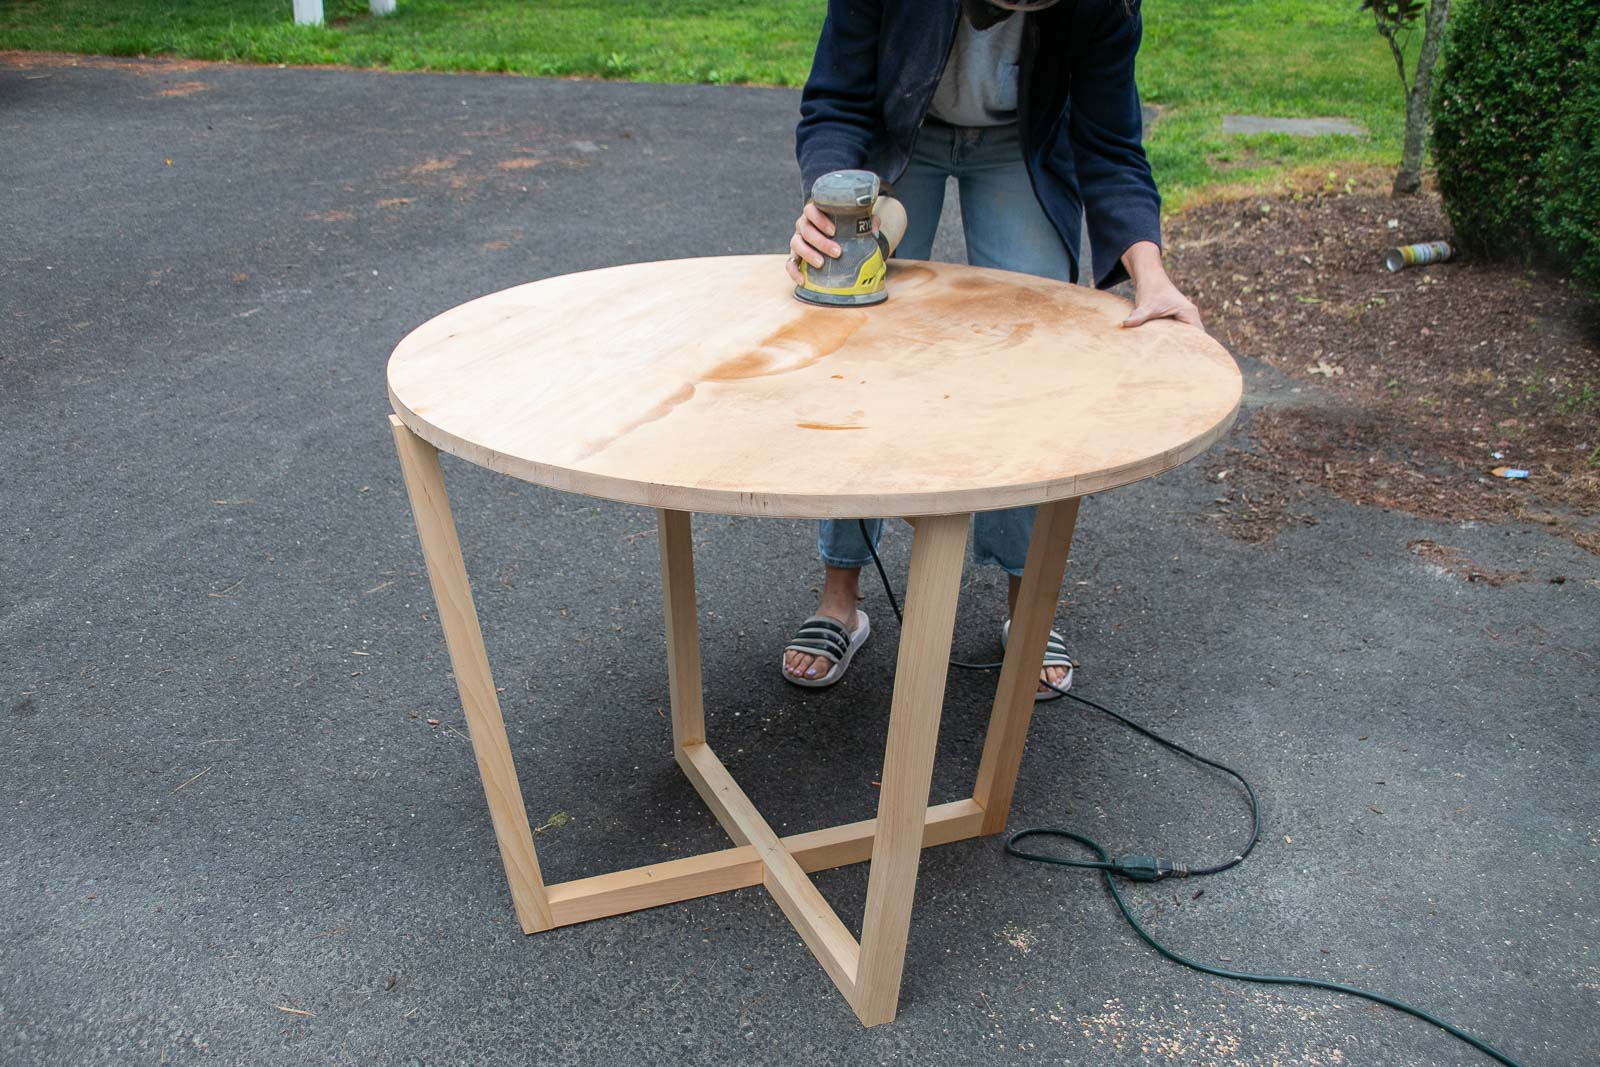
<point x="867" y="971"/>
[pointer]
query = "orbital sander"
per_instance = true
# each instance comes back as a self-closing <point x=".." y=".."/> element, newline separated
<point x="854" y="278"/>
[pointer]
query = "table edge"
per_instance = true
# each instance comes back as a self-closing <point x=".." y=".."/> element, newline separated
<point x="811" y="506"/>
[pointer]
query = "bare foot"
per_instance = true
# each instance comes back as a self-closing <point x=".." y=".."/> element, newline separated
<point x="1056" y="676"/>
<point x="840" y="587"/>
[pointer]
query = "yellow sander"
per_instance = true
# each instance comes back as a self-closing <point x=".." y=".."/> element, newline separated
<point x="855" y="278"/>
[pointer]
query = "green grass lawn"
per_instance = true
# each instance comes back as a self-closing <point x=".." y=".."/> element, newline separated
<point x="1201" y="58"/>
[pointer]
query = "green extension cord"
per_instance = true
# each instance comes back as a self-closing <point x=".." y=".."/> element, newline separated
<point x="1153" y="869"/>
<point x="1144" y="869"/>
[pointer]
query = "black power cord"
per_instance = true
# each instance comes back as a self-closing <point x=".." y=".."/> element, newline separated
<point x="1152" y="869"/>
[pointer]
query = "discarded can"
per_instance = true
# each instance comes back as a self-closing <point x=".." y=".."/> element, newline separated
<point x="1418" y="255"/>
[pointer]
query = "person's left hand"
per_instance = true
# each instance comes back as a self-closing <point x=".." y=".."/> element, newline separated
<point x="1156" y="296"/>
<point x="1161" y="299"/>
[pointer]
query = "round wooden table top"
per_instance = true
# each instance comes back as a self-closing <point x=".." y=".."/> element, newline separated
<point x="704" y="385"/>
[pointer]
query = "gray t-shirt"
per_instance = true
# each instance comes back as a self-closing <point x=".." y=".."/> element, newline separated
<point x="979" y="86"/>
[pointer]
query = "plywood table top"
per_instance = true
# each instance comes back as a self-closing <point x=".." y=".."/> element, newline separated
<point x="703" y="385"/>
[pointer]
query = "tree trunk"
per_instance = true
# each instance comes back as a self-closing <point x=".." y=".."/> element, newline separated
<point x="1409" y="178"/>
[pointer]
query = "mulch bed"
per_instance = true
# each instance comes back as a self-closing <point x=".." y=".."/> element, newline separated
<point x="1413" y="381"/>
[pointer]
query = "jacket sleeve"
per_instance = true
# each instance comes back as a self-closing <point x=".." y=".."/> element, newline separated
<point x="1120" y="199"/>
<point x="838" y="107"/>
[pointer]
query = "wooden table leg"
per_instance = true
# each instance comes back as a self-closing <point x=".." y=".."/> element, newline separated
<point x="869" y="974"/>
<point x="1019" y="678"/>
<point x="683" y="629"/>
<point x="930" y="613"/>
<point x="685" y="685"/>
<point x="447" y="571"/>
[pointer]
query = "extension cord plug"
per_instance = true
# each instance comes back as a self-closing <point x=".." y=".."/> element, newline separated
<point x="1147" y="868"/>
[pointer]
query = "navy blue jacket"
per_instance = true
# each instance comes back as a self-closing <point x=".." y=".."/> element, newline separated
<point x="879" y="61"/>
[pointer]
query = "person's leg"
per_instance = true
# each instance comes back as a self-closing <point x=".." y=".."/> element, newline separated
<point x="839" y="541"/>
<point x="844" y="552"/>
<point x="1001" y="538"/>
<point x="1006" y="229"/>
<point x="921" y="190"/>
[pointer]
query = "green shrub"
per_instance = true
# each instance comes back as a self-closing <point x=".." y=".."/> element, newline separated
<point x="1509" y="66"/>
<point x="1571" y="215"/>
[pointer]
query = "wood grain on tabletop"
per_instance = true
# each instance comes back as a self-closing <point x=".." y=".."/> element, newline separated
<point x="703" y="385"/>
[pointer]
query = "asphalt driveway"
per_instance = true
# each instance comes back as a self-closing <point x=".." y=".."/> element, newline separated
<point x="233" y="834"/>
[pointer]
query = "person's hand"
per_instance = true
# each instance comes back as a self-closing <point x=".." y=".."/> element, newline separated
<point x="1161" y="299"/>
<point x="813" y="239"/>
<point x="1157" y="297"/>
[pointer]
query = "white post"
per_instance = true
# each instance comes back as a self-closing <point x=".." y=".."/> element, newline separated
<point x="380" y="8"/>
<point x="308" y="12"/>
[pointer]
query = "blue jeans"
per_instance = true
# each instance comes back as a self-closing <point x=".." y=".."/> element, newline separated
<point x="1005" y="228"/>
